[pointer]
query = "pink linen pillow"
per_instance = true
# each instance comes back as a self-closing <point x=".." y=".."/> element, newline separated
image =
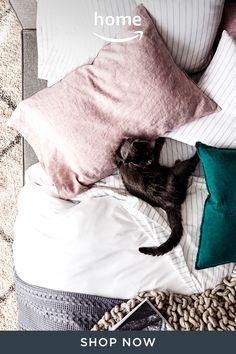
<point x="131" y="89"/>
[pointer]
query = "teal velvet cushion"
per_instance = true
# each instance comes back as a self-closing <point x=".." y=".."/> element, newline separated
<point x="218" y="230"/>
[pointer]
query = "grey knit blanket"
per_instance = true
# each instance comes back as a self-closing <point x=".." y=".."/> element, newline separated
<point x="43" y="309"/>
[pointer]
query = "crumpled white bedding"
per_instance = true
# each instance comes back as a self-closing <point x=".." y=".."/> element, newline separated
<point x="90" y="244"/>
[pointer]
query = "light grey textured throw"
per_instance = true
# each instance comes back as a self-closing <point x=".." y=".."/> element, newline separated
<point x="43" y="309"/>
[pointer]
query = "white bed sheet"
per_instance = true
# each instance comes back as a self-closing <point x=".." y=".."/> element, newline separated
<point x="90" y="244"/>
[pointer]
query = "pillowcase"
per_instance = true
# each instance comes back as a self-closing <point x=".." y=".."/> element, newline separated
<point x="219" y="83"/>
<point x="132" y="89"/>
<point x="66" y="40"/>
<point x="217" y="239"/>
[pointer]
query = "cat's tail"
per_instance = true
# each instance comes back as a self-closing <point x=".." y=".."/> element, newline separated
<point x="175" y="221"/>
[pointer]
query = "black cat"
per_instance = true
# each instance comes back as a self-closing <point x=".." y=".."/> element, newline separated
<point x="160" y="186"/>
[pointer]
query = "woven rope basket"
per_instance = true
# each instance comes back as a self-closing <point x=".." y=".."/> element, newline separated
<point x="210" y="311"/>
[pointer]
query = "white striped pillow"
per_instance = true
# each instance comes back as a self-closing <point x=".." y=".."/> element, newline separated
<point x="65" y="31"/>
<point x="219" y="83"/>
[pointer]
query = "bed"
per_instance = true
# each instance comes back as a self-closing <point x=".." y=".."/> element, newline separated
<point x="39" y="307"/>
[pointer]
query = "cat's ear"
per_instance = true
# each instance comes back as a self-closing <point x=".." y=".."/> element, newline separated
<point x="126" y="151"/>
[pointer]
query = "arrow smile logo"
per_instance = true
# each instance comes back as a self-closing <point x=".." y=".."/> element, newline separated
<point x="138" y="34"/>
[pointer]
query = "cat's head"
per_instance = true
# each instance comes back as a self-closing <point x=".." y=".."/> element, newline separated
<point x="137" y="152"/>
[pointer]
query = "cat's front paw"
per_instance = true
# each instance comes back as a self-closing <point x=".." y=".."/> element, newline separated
<point x="150" y="251"/>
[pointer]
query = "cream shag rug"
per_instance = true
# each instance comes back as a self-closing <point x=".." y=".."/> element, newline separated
<point x="10" y="157"/>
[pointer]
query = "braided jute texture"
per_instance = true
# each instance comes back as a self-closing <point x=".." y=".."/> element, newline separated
<point x="213" y="310"/>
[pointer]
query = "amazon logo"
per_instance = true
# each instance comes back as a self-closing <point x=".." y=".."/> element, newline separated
<point x="118" y="21"/>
